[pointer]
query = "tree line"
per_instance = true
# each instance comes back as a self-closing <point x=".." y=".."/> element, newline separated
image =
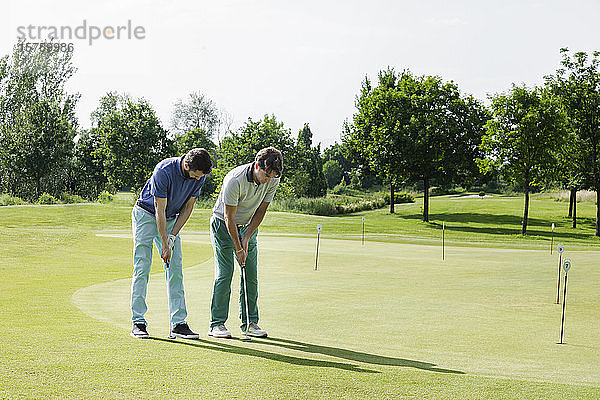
<point x="409" y="129"/>
<point x="406" y="130"/>
<point x="43" y="150"/>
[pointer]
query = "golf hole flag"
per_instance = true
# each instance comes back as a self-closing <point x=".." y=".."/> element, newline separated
<point x="566" y="267"/>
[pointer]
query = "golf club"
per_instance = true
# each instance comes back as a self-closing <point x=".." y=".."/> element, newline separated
<point x="171" y="244"/>
<point x="245" y="337"/>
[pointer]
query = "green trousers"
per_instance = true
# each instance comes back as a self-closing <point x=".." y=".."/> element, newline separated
<point x="224" y="266"/>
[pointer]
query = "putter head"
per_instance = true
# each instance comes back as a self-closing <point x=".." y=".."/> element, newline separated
<point x="245" y="338"/>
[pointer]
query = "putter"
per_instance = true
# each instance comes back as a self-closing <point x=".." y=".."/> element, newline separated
<point x="245" y="337"/>
<point x="169" y="292"/>
<point x="169" y="301"/>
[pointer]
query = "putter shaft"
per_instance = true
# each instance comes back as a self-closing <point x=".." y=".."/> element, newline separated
<point x="243" y="267"/>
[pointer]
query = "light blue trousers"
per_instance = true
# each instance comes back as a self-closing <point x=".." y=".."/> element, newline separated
<point x="145" y="231"/>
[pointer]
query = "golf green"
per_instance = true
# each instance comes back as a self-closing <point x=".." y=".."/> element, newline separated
<point x="388" y="307"/>
<point x="389" y="319"/>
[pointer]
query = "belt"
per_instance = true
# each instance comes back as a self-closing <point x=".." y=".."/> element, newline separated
<point x="237" y="225"/>
<point x="152" y="212"/>
<point x="140" y="205"/>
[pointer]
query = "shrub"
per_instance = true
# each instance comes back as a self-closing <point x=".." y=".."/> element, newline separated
<point x="105" y="197"/>
<point x="204" y="202"/>
<point x="340" y="188"/>
<point x="565" y="196"/>
<point x="482" y="194"/>
<point x="8" y="200"/>
<point x="343" y="189"/>
<point x="69" y="198"/>
<point x="441" y="190"/>
<point x="46" y="198"/>
<point x="399" y="198"/>
<point x="336" y="204"/>
<point x="316" y="206"/>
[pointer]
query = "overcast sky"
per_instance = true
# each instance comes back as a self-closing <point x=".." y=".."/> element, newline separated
<point x="304" y="60"/>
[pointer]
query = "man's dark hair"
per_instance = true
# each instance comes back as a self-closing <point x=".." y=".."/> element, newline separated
<point x="270" y="159"/>
<point x="198" y="159"/>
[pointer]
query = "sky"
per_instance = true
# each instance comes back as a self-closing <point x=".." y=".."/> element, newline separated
<point x="304" y="61"/>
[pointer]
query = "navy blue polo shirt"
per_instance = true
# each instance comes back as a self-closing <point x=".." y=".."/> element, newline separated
<point x="167" y="182"/>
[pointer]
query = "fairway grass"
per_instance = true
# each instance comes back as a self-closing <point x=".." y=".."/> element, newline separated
<point x="389" y="319"/>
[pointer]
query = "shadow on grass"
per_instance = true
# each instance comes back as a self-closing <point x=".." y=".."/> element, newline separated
<point x="310" y="348"/>
<point x="504" y="220"/>
<point x="530" y="232"/>
<point x="354" y="355"/>
<point x="462" y="217"/>
<point x="227" y="348"/>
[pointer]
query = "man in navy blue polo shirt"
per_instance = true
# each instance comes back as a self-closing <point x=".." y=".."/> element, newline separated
<point x="164" y="206"/>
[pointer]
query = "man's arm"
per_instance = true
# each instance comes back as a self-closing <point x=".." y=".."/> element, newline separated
<point x="184" y="215"/>
<point x="160" y="205"/>
<point x="240" y="252"/>
<point x="256" y="220"/>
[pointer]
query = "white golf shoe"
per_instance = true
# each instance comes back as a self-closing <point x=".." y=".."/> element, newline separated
<point x="219" y="331"/>
<point x="254" y="330"/>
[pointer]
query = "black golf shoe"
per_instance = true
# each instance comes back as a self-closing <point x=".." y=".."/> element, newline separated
<point x="184" y="331"/>
<point x="139" y="331"/>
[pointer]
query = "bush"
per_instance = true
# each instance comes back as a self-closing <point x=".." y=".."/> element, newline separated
<point x="46" y="198"/>
<point x="69" y="198"/>
<point x="340" y="188"/>
<point x="333" y="205"/>
<point x="284" y="191"/>
<point x="565" y="196"/>
<point x="343" y="189"/>
<point x="8" y="200"/>
<point x="316" y="206"/>
<point x="441" y="191"/>
<point x="400" y="197"/>
<point x="105" y="197"/>
<point x="204" y="202"/>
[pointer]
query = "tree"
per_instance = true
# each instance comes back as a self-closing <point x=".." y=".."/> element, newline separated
<point x="415" y="128"/>
<point x="340" y="153"/>
<point x="523" y="137"/>
<point x="376" y="135"/>
<point x="333" y="173"/>
<point x="109" y="104"/>
<point x="241" y="147"/>
<point x="132" y="142"/>
<point x="577" y="85"/>
<point x="444" y="134"/>
<point x="307" y="179"/>
<point x="198" y="112"/>
<point x="192" y="139"/>
<point x="37" y="120"/>
<point x="88" y="175"/>
<point x="567" y="171"/>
